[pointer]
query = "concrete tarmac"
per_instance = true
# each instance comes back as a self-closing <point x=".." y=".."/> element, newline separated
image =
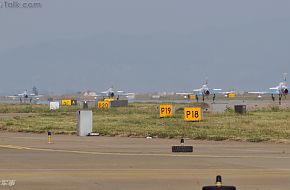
<point x="108" y="163"/>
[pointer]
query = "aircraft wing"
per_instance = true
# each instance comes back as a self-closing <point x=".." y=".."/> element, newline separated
<point x="275" y="92"/>
<point x="214" y="90"/>
<point x="197" y="90"/>
<point x="121" y="93"/>
<point x="257" y="92"/>
<point x="117" y="93"/>
<point x="36" y="96"/>
<point x="229" y="92"/>
<point x="184" y="93"/>
<point x="274" y="88"/>
<point x="12" y="96"/>
<point x="105" y="93"/>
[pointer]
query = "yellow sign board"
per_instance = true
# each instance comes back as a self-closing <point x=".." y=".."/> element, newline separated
<point x="74" y="102"/>
<point x="165" y="110"/>
<point x="192" y="97"/>
<point x="232" y="95"/>
<point x="192" y="114"/>
<point x="109" y="100"/>
<point x="66" y="102"/>
<point x="69" y="102"/>
<point x="104" y="104"/>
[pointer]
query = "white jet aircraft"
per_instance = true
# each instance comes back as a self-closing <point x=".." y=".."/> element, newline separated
<point x="280" y="90"/>
<point x="204" y="91"/>
<point x="111" y="93"/>
<point x="25" y="95"/>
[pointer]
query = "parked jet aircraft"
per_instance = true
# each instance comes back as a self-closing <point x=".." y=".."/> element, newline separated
<point x="110" y="93"/>
<point x="280" y="90"/>
<point x="25" y="95"/>
<point x="204" y="91"/>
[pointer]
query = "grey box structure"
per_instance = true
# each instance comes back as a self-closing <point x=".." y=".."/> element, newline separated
<point x="218" y="108"/>
<point x="241" y="109"/>
<point x="119" y="103"/>
<point x="85" y="122"/>
<point x="87" y="104"/>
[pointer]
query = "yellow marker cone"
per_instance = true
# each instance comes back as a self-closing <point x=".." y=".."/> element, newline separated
<point x="49" y="137"/>
<point x="218" y="182"/>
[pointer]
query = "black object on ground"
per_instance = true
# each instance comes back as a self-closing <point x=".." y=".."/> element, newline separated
<point x="241" y="109"/>
<point x="218" y="185"/>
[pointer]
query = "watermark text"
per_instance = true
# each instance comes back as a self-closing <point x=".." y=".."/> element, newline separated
<point x="20" y="5"/>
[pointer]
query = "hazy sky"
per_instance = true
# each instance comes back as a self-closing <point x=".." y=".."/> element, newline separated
<point x="140" y="46"/>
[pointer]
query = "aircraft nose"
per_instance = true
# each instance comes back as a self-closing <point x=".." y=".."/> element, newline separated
<point x="285" y="91"/>
<point x="206" y="92"/>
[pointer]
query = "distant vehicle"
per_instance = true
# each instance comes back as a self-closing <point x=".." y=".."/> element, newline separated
<point x="204" y="91"/>
<point x="280" y="90"/>
<point x="110" y="93"/>
<point x="27" y="96"/>
<point x="229" y="94"/>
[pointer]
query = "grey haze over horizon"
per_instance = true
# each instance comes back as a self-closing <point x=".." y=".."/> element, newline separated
<point x="144" y="46"/>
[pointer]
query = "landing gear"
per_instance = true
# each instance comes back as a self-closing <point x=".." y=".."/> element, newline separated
<point x="196" y="97"/>
<point x="203" y="98"/>
<point x="280" y="98"/>
<point x="273" y="98"/>
<point x="213" y="98"/>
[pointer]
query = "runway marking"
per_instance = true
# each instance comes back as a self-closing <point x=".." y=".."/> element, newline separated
<point x="138" y="154"/>
<point x="137" y="173"/>
<point x="144" y="172"/>
<point x="275" y="170"/>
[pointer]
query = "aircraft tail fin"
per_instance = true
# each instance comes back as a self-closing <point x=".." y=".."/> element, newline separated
<point x="206" y="80"/>
<point x="285" y="77"/>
